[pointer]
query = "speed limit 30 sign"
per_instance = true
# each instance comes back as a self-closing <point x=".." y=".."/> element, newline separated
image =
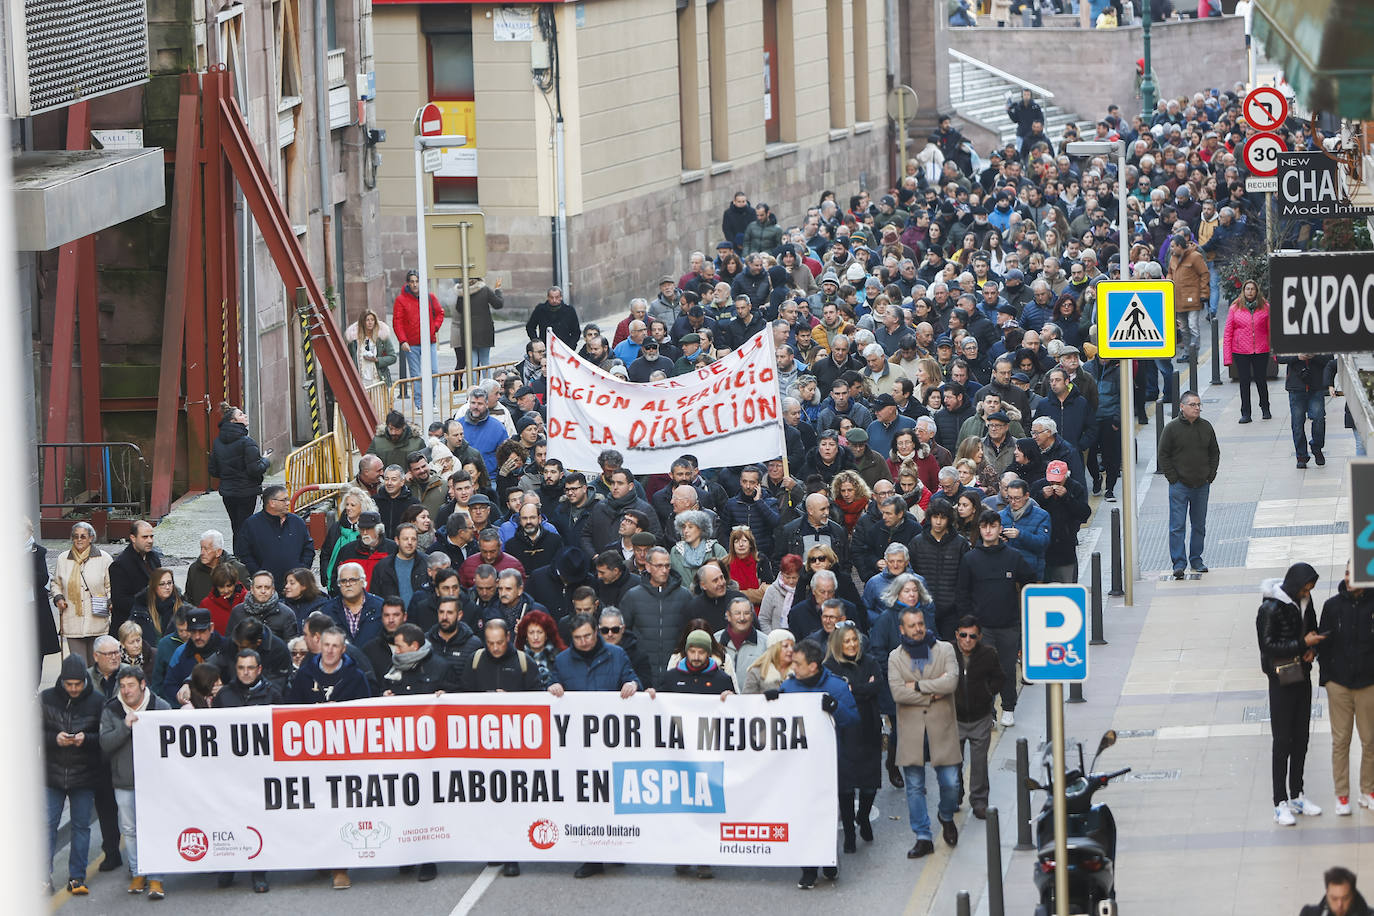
<point x="1261" y="154"/>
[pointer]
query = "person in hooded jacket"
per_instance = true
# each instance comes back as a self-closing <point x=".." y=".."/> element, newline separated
<point x="552" y="585"/>
<point x="262" y="603"/>
<point x="861" y="753"/>
<point x="1286" y="626"/>
<point x="1347" y="672"/>
<point x="117" y="719"/>
<point x="736" y="220"/>
<point x="71" y="711"/>
<point x="239" y="464"/>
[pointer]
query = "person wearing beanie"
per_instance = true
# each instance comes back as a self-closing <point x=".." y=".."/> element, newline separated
<point x="1286" y="626"/>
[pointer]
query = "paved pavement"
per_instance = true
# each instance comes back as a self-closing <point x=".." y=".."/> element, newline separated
<point x="1179" y="679"/>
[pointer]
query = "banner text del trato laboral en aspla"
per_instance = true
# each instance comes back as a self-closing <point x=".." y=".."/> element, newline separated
<point x="490" y="777"/>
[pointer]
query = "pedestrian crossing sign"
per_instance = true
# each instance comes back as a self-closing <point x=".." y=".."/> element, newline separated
<point x="1135" y="319"/>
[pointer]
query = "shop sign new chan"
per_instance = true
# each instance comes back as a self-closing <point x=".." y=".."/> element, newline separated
<point x="1309" y="185"/>
<point x="1321" y="303"/>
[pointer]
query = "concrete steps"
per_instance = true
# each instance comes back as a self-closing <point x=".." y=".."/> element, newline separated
<point x="981" y="97"/>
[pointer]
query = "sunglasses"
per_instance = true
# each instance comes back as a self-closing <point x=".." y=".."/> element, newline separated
<point x="608" y="631"/>
<point x="967" y="635"/>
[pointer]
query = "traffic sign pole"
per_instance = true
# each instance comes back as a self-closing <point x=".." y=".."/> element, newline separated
<point x="1061" y="811"/>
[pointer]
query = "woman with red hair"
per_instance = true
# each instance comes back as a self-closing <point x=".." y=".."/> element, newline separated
<point x="537" y="635"/>
<point x="779" y="597"/>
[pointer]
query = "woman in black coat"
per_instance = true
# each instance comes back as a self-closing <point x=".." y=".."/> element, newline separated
<point x="239" y="465"/>
<point x="1286" y="626"/>
<point x="48" y="643"/>
<point x="861" y="747"/>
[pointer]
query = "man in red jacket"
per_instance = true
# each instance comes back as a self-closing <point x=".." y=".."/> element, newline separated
<point x="405" y="321"/>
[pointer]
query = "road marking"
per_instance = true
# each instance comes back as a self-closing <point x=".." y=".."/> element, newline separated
<point x="475" y="892"/>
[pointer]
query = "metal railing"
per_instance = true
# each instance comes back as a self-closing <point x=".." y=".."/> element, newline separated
<point x="334" y="68"/>
<point x="453" y="387"/>
<point x="314" y="493"/>
<point x="345" y="448"/>
<point x="966" y="61"/>
<point x="314" y="463"/>
<point x="119" y="470"/>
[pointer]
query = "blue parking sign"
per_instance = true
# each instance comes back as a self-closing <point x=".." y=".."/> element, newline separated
<point x="1054" y="633"/>
<point x="1135" y="319"/>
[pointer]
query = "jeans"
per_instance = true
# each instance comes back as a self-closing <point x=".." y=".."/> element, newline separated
<point x="1189" y="332"/>
<point x="1252" y="366"/>
<point x="1214" y="299"/>
<point x="1007" y="642"/>
<point x="1290" y="720"/>
<point x="413" y="369"/>
<point x="128" y="819"/>
<point x="83" y="807"/>
<point x="1304" y="406"/>
<point x="1187" y="504"/>
<point x="1351" y="708"/>
<point x="948" y="779"/>
<point x="979" y="737"/>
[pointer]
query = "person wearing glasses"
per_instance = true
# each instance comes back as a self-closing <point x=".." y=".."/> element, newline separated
<point x="980" y="680"/>
<point x="275" y="539"/>
<point x="657" y="608"/>
<point x="80" y="590"/>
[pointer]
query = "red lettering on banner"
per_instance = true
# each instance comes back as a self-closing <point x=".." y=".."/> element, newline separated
<point x="408" y="732"/>
<point x="758" y="833"/>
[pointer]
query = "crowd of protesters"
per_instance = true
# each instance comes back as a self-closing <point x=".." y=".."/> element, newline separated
<point x="949" y="427"/>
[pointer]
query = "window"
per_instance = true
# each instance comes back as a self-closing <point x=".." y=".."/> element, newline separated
<point x="229" y="50"/>
<point x="780" y="91"/>
<point x="834" y="44"/>
<point x="291" y="174"/>
<point x="688" y="85"/>
<point x="860" y="8"/>
<point x="771" y="112"/>
<point x="715" y="49"/>
<point x="448" y="36"/>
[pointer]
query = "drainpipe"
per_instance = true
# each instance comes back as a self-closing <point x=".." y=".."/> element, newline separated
<point x="323" y="131"/>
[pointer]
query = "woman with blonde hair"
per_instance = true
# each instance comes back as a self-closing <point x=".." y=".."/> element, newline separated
<point x="928" y="376"/>
<point x="372" y="346"/>
<point x="80" y="591"/>
<point x="850" y="495"/>
<point x="769" y="669"/>
<point x="134" y="648"/>
<point x="343" y="531"/>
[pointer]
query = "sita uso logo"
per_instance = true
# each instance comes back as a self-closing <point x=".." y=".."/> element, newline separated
<point x="193" y="844"/>
<point x="754" y="833"/>
<point x="543" y="834"/>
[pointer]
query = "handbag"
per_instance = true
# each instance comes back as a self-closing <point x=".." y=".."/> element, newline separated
<point x="1290" y="672"/>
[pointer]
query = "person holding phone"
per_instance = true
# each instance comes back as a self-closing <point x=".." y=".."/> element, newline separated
<point x="239" y="464"/>
<point x="1288" y="641"/>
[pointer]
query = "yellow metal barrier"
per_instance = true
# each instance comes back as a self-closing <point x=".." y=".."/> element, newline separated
<point x="345" y="449"/>
<point x="450" y="398"/>
<point x="314" y="463"/>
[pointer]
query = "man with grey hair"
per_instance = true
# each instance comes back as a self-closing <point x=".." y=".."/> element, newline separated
<point x="878" y="372"/>
<point x="656" y="608"/>
<point x="805" y="616"/>
<point x="481" y="430"/>
<point x="639" y="311"/>
<point x="212" y="555"/>
<point x="1040" y="308"/>
<point x="1053" y="447"/>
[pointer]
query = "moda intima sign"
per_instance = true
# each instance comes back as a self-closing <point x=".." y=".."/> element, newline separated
<point x="1321" y="303"/>
<point x="1309" y="186"/>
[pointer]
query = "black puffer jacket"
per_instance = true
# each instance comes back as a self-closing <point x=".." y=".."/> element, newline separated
<point x="236" y="461"/>
<point x="1280" y="625"/>
<point x="980" y="680"/>
<point x="73" y="766"/>
<point x="1347" y="653"/>
<point x="938" y="563"/>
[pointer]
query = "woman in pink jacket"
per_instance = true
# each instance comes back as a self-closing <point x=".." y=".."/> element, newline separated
<point x="1246" y="342"/>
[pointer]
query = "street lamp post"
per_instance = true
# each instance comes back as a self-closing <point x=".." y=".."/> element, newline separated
<point x="1147" y="79"/>
<point x="1126" y="380"/>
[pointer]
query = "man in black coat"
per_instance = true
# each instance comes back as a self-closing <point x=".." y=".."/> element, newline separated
<point x="605" y="518"/>
<point x="713" y="597"/>
<point x="553" y="314"/>
<point x="248" y="686"/>
<point x="613" y="578"/>
<point x="1067" y="503"/>
<point x="451" y="638"/>
<point x="980" y="680"/>
<point x="989" y="586"/>
<point x="552" y="585"/>
<point x="415" y="668"/>
<point x="1347" y="668"/>
<point x="1341" y="898"/>
<point x="498" y="665"/>
<point x="275" y="539"/>
<point x="379" y="649"/>
<point x="273" y="654"/>
<point x="131" y="571"/>
<point x="71" y="711"/>
<point x="814" y="528"/>
<point x="386" y="577"/>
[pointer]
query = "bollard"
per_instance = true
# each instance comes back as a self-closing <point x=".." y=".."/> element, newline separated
<point x="961" y="904"/>
<point x="1097" y="639"/>
<point x="1159" y="430"/>
<point x="1175" y="392"/>
<point x="1216" y="353"/>
<point x="1076" y="693"/>
<point x="996" y="903"/>
<point x="1049" y="692"/>
<point x="1023" y="812"/>
<point x="1118" y="587"/>
<point x="1192" y="373"/>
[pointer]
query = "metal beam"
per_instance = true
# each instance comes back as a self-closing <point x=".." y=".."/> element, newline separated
<point x="295" y="272"/>
<point x="88" y="327"/>
<point x="174" y="311"/>
<point x="215" y="240"/>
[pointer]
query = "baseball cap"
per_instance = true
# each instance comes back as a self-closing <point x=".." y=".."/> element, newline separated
<point x="999" y="415"/>
<point x="649" y="342"/>
<point x="198" y="620"/>
<point x="1020" y="377"/>
<point x="944" y="341"/>
<point x="884" y="400"/>
<point x="1056" y="472"/>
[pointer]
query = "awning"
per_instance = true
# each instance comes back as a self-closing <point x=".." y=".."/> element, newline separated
<point x="1325" y="50"/>
<point x="61" y="196"/>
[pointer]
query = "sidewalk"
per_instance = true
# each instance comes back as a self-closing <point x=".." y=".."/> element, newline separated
<point x="1181" y="683"/>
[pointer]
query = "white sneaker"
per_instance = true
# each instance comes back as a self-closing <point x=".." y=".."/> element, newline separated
<point x="1366" y="800"/>
<point x="1008" y="720"/>
<point x="1342" y="806"/>
<point x="1301" y="805"/>
<point x="1283" y="815"/>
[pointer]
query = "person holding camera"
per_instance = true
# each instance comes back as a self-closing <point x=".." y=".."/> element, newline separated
<point x="1192" y="290"/>
<point x="1309" y="380"/>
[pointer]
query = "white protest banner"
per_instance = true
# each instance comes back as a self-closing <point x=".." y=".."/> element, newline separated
<point x="727" y="413"/>
<point x="488" y="777"/>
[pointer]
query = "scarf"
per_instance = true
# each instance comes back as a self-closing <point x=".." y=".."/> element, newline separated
<point x="696" y="556"/>
<point x="811" y="681"/>
<point x="738" y="639"/>
<point x="852" y="511"/>
<point x="142" y="704"/>
<point x="401" y="662"/>
<point x="589" y="654"/>
<point x="711" y="665"/>
<point x="745" y="572"/>
<point x="260" y="610"/>
<point x="137" y="660"/>
<point x="919" y="650"/>
<point x="75" y="582"/>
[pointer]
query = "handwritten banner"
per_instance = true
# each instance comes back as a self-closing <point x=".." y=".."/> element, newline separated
<point x="583" y="777"/>
<point x="727" y="413"/>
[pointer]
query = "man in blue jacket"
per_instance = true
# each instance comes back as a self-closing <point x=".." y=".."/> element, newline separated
<point x="482" y="431"/>
<point x="809" y="675"/>
<point x="1026" y="526"/>
<point x="275" y="539"/>
<point x="356" y="611"/>
<point x="591" y="663"/>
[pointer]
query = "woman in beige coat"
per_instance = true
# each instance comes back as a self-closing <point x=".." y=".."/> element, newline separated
<point x="81" y="592"/>
<point x="923" y="675"/>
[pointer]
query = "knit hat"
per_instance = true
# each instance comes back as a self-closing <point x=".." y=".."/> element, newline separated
<point x="699" y="639"/>
<point x="777" y="636"/>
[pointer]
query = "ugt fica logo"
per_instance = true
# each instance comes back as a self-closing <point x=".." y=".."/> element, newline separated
<point x="193" y="844"/>
<point x="543" y="834"/>
<point x="364" y="835"/>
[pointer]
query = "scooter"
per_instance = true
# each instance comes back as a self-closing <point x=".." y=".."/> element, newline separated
<point x="1091" y="839"/>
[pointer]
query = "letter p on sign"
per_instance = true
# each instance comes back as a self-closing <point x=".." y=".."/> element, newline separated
<point x="1054" y="633"/>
